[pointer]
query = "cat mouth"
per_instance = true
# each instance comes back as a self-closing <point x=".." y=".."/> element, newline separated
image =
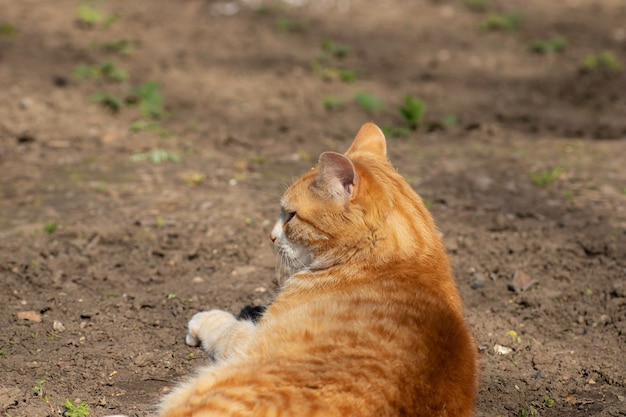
<point x="293" y="256"/>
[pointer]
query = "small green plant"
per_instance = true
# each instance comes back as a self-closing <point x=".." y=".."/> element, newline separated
<point x="450" y="120"/>
<point x="75" y="409"/>
<point x="39" y="391"/>
<point x="528" y="411"/>
<point x="193" y="179"/>
<point x="89" y="15"/>
<point x="50" y="227"/>
<point x="546" y="176"/>
<point x="109" y="101"/>
<point x="8" y="29"/>
<point x="476" y="5"/>
<point x="548" y="46"/>
<point x="502" y="22"/>
<point x="332" y="103"/>
<point x="86" y="72"/>
<point x="603" y="61"/>
<point x="150" y="126"/>
<point x="286" y="25"/>
<point x="4" y="353"/>
<point x="149" y="98"/>
<point x="107" y="70"/>
<point x="335" y="49"/>
<point x="369" y="102"/>
<point x="549" y="402"/>
<point x="120" y="46"/>
<point x="412" y="110"/>
<point x="156" y="156"/>
<point x="111" y="71"/>
<point x="395" y="132"/>
<point x="171" y="296"/>
<point x="347" y="76"/>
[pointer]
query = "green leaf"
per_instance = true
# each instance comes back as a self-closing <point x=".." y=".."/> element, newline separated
<point x="109" y="101"/>
<point x="369" y="102"/>
<point x="150" y="100"/>
<point x="413" y="111"/>
<point x="89" y="15"/>
<point x="75" y="410"/>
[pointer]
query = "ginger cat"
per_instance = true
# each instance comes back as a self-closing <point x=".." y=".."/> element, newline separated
<point x="371" y="325"/>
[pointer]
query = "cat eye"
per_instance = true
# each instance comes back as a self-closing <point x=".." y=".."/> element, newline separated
<point x="286" y="216"/>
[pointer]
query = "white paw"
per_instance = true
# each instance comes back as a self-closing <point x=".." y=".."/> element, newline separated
<point x="206" y="326"/>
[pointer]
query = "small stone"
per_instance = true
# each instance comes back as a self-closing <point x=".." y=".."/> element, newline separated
<point x="26" y="103"/>
<point x="591" y="381"/>
<point x="58" y="326"/>
<point x="30" y="316"/>
<point x="521" y="281"/>
<point x="501" y="350"/>
<point x="197" y="280"/>
<point x="478" y="284"/>
<point x="260" y="289"/>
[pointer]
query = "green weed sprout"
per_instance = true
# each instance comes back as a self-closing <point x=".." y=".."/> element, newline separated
<point x="546" y="176"/>
<point x="86" y="72"/>
<point x="111" y="71"/>
<point x="332" y="103"/>
<point x="476" y="5"/>
<point x="149" y="99"/>
<point x="336" y="49"/>
<point x="603" y="61"/>
<point x="412" y="111"/>
<point x="288" y="26"/>
<point x="8" y="30"/>
<point x="120" y="46"/>
<point x="50" y="227"/>
<point x="39" y="391"/>
<point x="75" y="410"/>
<point x="347" y="76"/>
<point x="369" y="102"/>
<point x="395" y="132"/>
<point x="109" y="101"/>
<point x="548" y="46"/>
<point x="502" y="22"/>
<point x="89" y="15"/>
<point x="107" y="70"/>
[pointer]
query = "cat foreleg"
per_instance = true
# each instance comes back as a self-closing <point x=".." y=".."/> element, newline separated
<point x="221" y="335"/>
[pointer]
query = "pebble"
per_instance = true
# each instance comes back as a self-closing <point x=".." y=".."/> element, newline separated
<point x="30" y="316"/>
<point x="197" y="280"/>
<point x="501" y="350"/>
<point x="521" y="281"/>
<point x="26" y="103"/>
<point x="58" y="326"/>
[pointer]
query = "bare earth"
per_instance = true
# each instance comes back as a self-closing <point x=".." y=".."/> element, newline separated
<point x="115" y="255"/>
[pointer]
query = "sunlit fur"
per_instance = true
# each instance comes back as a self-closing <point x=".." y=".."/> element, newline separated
<point x="371" y="325"/>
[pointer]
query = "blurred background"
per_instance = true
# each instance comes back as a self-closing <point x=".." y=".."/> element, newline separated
<point x="144" y="147"/>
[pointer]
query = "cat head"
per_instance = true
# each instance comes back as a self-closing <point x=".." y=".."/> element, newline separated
<point x="352" y="208"/>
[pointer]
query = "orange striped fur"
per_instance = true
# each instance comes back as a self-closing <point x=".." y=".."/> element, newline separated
<point x="371" y="325"/>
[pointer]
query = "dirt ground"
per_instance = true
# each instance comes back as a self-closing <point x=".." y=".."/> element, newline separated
<point x="105" y="254"/>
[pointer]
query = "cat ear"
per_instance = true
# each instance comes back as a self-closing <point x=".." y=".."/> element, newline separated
<point x="369" y="139"/>
<point x="337" y="177"/>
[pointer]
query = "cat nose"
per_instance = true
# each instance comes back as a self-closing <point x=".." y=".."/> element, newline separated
<point x="272" y="237"/>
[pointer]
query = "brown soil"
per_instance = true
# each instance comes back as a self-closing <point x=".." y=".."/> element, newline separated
<point x="139" y="247"/>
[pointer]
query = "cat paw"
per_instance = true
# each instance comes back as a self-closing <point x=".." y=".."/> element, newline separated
<point x="204" y="327"/>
